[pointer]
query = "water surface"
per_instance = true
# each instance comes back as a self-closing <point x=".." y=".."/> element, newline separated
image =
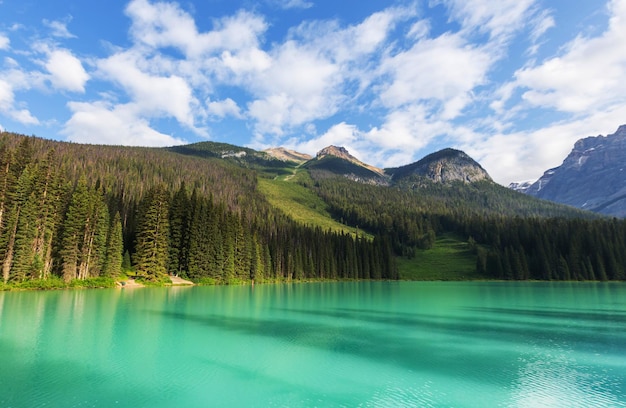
<point x="466" y="344"/>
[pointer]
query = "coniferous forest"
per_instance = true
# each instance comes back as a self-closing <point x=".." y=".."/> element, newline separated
<point x="78" y="212"/>
<point x="75" y="212"/>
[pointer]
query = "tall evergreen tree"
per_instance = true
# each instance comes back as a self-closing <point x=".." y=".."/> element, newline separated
<point x="114" y="248"/>
<point x="179" y="220"/>
<point x="151" y="254"/>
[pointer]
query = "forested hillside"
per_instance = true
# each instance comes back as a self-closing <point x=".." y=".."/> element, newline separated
<point x="78" y="211"/>
<point x="511" y="235"/>
<point x="74" y="213"/>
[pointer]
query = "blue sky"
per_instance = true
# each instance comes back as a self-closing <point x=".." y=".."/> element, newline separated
<point x="514" y="83"/>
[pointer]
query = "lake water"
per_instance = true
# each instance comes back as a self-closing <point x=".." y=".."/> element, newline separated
<point x="466" y="344"/>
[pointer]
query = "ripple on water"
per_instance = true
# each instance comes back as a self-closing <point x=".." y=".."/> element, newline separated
<point x="558" y="381"/>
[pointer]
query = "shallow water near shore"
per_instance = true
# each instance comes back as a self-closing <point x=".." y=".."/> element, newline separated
<point x="462" y="344"/>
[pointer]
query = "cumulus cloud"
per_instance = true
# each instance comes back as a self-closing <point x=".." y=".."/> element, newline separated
<point x="66" y="71"/>
<point x="167" y="25"/>
<point x="299" y="86"/>
<point x="102" y="123"/>
<point x="152" y="95"/>
<point x="341" y="134"/>
<point x="155" y="84"/>
<point x="224" y="108"/>
<point x="6" y="95"/>
<point x="8" y="108"/>
<point x="305" y="78"/>
<point x="589" y="75"/>
<point x="441" y="69"/>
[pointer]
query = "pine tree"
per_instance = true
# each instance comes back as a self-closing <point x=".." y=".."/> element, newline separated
<point x="12" y="233"/>
<point x="114" y="249"/>
<point x="49" y="191"/>
<point x="178" y="219"/>
<point x="7" y="181"/>
<point x="151" y="254"/>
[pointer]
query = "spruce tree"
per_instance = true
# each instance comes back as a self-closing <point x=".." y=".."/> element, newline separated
<point x="151" y="254"/>
<point x="114" y="249"/>
<point x="179" y="219"/>
<point x="73" y="231"/>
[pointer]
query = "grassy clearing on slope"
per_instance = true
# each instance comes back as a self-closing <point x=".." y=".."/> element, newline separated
<point x="301" y="204"/>
<point x="449" y="259"/>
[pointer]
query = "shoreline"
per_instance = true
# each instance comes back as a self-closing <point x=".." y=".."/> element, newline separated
<point x="180" y="282"/>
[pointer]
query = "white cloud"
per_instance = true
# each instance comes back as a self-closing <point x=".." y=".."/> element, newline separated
<point x="410" y="128"/>
<point x="6" y="95"/>
<point x="589" y="75"/>
<point x="8" y="108"/>
<point x="244" y="64"/>
<point x="4" y="42"/>
<point x="443" y="69"/>
<point x="299" y="86"/>
<point x="499" y="18"/>
<point x="291" y="4"/>
<point x="305" y="78"/>
<point x="541" y="24"/>
<point x="167" y="25"/>
<point x="419" y="30"/>
<point x="224" y="108"/>
<point x="341" y="134"/>
<point x="59" y="28"/>
<point x="152" y="95"/>
<point x="66" y="71"/>
<point x="101" y="123"/>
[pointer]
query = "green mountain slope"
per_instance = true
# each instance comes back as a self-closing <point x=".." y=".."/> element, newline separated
<point x="301" y="204"/>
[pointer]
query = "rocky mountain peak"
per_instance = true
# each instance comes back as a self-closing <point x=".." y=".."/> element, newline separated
<point x="337" y="151"/>
<point x="592" y="176"/>
<point x="444" y="166"/>
<point x="342" y="153"/>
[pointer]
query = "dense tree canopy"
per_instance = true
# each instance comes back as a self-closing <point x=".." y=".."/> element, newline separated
<point x="73" y="211"/>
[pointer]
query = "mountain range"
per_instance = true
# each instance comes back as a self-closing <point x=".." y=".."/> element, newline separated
<point x="592" y="177"/>
<point x="444" y="166"/>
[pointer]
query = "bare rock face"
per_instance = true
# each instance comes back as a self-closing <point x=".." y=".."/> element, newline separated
<point x="337" y="161"/>
<point x="281" y="153"/>
<point x="444" y="166"/>
<point x="342" y="153"/>
<point x="592" y="176"/>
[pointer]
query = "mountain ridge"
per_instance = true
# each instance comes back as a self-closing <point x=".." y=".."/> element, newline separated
<point x="444" y="166"/>
<point x="591" y="177"/>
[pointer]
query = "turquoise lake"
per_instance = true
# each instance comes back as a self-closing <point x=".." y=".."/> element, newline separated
<point x="387" y="344"/>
